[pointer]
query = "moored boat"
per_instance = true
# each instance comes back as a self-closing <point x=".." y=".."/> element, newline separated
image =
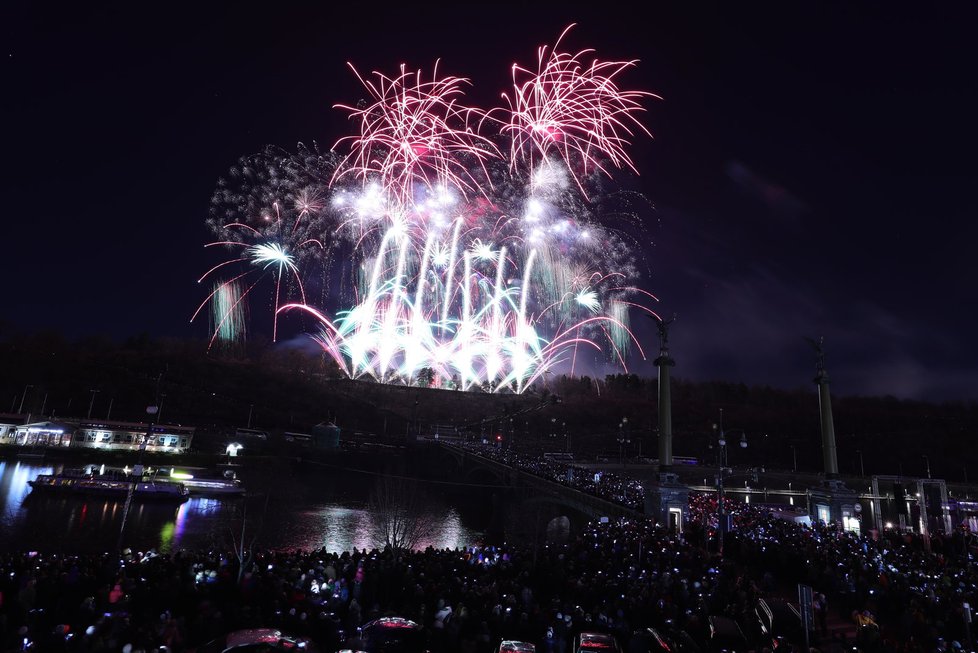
<point x="203" y="483"/>
<point x="89" y="484"/>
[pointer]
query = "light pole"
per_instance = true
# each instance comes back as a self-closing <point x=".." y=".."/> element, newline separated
<point x="91" y="403"/>
<point x="20" y="409"/>
<point x="622" y="440"/>
<point x="927" y="461"/>
<point x="722" y="472"/>
<point x="137" y="470"/>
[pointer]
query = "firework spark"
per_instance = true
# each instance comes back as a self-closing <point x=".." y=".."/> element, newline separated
<point x="415" y="132"/>
<point x="574" y="111"/>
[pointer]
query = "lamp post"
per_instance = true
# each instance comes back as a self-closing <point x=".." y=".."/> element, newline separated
<point x="20" y="409"/>
<point x="622" y="440"/>
<point x="722" y="472"/>
<point x="137" y="471"/>
<point x="91" y="403"/>
<point x="927" y="462"/>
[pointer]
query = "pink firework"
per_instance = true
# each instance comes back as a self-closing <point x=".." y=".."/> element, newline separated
<point x="415" y="132"/>
<point x="575" y="111"/>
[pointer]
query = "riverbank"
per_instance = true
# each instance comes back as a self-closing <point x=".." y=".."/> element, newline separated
<point x="83" y="455"/>
<point x="122" y="457"/>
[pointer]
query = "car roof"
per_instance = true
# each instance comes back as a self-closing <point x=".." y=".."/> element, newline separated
<point x="391" y="623"/>
<point x="596" y="640"/>
<point x="253" y="636"/>
<point x="669" y="638"/>
<point x="515" y="646"/>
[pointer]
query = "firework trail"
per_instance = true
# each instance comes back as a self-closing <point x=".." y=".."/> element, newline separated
<point x="485" y="257"/>
<point x="228" y="314"/>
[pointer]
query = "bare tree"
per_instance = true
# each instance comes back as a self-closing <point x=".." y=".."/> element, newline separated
<point x="402" y="519"/>
<point x="264" y="490"/>
<point x="243" y="544"/>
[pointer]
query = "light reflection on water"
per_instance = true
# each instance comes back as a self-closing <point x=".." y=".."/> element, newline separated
<point x="64" y="523"/>
<point x="340" y="528"/>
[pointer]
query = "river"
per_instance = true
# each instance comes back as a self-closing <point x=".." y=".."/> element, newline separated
<point x="301" y="507"/>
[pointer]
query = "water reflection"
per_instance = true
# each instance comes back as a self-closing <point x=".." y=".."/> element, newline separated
<point x="66" y="523"/>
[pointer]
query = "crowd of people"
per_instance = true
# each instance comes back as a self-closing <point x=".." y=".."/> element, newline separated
<point x="617" y="577"/>
<point x="918" y="587"/>
<point x="614" y="577"/>
<point x="612" y="487"/>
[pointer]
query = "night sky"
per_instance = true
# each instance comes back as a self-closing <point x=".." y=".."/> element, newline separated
<point x="813" y="169"/>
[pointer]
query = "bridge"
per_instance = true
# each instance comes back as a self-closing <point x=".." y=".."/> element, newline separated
<point x="534" y="489"/>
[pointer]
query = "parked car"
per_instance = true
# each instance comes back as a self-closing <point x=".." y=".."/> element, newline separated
<point x="392" y="635"/>
<point x="726" y="635"/>
<point x="591" y="642"/>
<point x="514" y="646"/>
<point x="257" y="640"/>
<point x="662" y="640"/>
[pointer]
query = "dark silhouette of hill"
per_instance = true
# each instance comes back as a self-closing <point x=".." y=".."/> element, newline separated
<point x="288" y="389"/>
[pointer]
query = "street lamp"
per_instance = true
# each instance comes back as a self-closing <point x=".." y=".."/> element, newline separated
<point x="622" y="440"/>
<point x="91" y="403"/>
<point x="137" y="471"/>
<point x="722" y="472"/>
<point x="20" y="409"/>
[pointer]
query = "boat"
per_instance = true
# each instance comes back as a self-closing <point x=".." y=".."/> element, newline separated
<point x="203" y="483"/>
<point x="87" y="483"/>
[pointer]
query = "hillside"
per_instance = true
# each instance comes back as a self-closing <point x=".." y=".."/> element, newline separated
<point x="283" y="390"/>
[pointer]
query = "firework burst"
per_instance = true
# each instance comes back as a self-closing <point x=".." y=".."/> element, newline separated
<point x="415" y="133"/>
<point x="572" y="110"/>
<point x="488" y="270"/>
